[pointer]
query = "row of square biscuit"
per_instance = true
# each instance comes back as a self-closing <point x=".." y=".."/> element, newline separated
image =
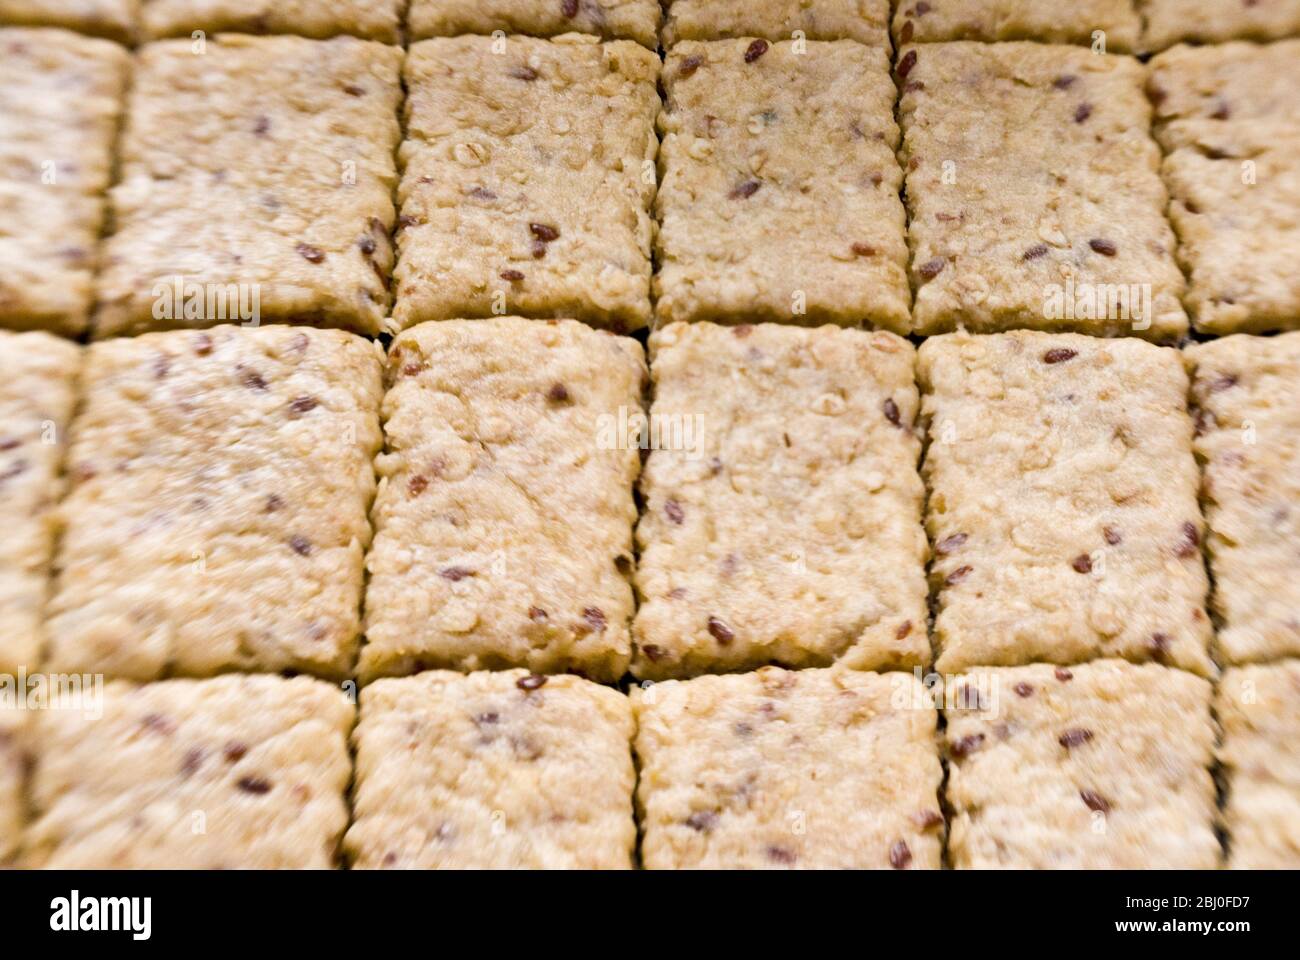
<point x="257" y="179"/>
<point x="218" y="514"/>
<point x="1104" y="765"/>
<point x="1127" y="25"/>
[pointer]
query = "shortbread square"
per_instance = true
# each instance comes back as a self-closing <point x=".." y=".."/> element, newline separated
<point x="609" y="19"/>
<point x="866" y="21"/>
<point x="1102" y="24"/>
<point x="370" y="19"/>
<point x="1212" y="21"/>
<point x="493" y="771"/>
<point x="114" y="19"/>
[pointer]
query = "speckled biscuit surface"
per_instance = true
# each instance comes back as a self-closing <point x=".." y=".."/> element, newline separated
<point x="262" y="163"/>
<point x="1214" y="21"/>
<point x="866" y="21"/>
<point x="38" y="374"/>
<point x="788" y="529"/>
<point x="372" y="19"/>
<point x="232" y="772"/>
<point x="771" y="769"/>
<point x="115" y="19"/>
<point x="217" y="513"/>
<point x="1063" y="501"/>
<point x="1048" y="21"/>
<point x="1101" y="765"/>
<point x="1050" y="144"/>
<point x="1259" y="708"/>
<point x="611" y="19"/>
<point x="1226" y="118"/>
<point x="60" y="95"/>
<point x="503" y="523"/>
<point x="12" y="765"/>
<point x="1247" y="392"/>
<point x="527" y="182"/>
<point x="493" y="771"/>
<point x="779" y="186"/>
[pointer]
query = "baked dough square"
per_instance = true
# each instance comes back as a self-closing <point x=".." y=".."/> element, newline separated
<point x="866" y="21"/>
<point x="1084" y="22"/>
<point x="1063" y="502"/>
<point x="528" y="172"/>
<point x="1213" y="21"/>
<point x="38" y="375"/>
<point x="492" y="771"/>
<point x="503" y="522"/>
<point x="231" y="772"/>
<point x="1098" y="766"/>
<point x="778" y="197"/>
<point x="812" y="769"/>
<point x="60" y="96"/>
<point x="257" y="167"/>
<point x="114" y="19"/>
<point x="1226" y="118"/>
<point x="217" y="512"/>
<point x="1259" y="707"/>
<point x="610" y="19"/>
<point x="13" y="725"/>
<point x="1247" y="392"/>
<point x="371" y="19"/>
<point x="782" y="502"/>
<point x="1034" y="191"/>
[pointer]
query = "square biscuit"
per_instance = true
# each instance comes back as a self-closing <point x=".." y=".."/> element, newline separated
<point x="320" y="19"/>
<point x="1247" y="392"/>
<point x="527" y="180"/>
<point x="1226" y="118"/>
<point x="13" y="765"/>
<point x="778" y="195"/>
<point x="815" y="769"/>
<point x="1063" y="502"/>
<point x="114" y="19"/>
<point x="503" y="522"/>
<point x="232" y="772"/>
<point x="866" y="21"/>
<point x="1213" y="21"/>
<point x="261" y="167"/>
<point x="492" y="771"/>
<point x="1047" y="21"/>
<point x="1098" y="766"/>
<point x="610" y="19"/>
<point x="38" y="375"/>
<point x="60" y="97"/>
<point x="1259" y="708"/>
<point x="217" y="512"/>
<point x="782" y="519"/>
<point x="1051" y="145"/>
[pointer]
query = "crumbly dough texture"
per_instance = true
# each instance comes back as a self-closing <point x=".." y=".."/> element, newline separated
<point x="1226" y="117"/>
<point x="493" y="771"/>
<point x="1063" y="502"/>
<point x="1247" y="392"/>
<point x="12" y="764"/>
<point x="1259" y="708"/>
<point x="866" y="21"/>
<point x="114" y="19"/>
<point x="38" y="374"/>
<point x="611" y="19"/>
<point x="264" y="163"/>
<point x="811" y="769"/>
<point x="217" y="513"/>
<point x="527" y="180"/>
<point x="779" y="186"/>
<point x="60" y="96"/>
<point x="1104" y="765"/>
<point x="1047" y="21"/>
<point x="232" y="772"/>
<point x="372" y="19"/>
<point x="788" y="529"/>
<point x="1214" y="21"/>
<point x="1051" y="145"/>
<point x="503" y="522"/>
